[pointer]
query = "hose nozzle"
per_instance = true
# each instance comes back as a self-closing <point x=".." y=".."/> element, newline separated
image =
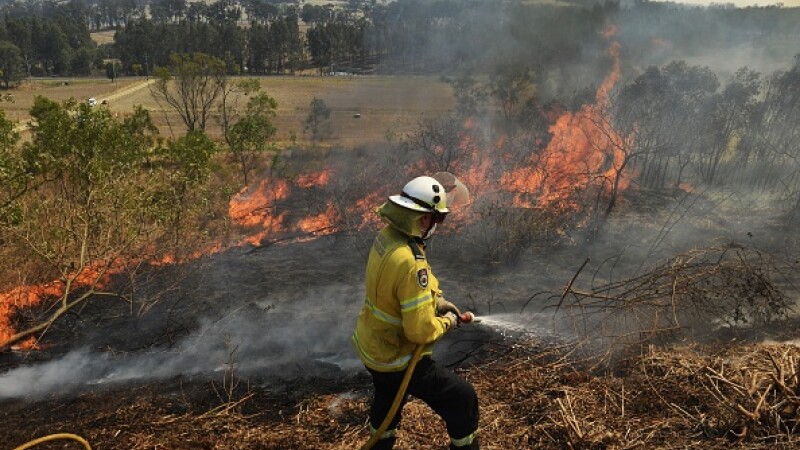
<point x="466" y="317"/>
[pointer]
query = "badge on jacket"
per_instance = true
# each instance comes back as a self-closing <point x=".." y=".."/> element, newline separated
<point x="422" y="278"/>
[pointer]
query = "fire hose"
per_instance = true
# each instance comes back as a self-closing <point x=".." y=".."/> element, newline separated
<point x="53" y="437"/>
<point x="466" y="317"/>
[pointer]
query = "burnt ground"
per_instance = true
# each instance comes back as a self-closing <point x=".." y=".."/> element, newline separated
<point x="530" y="398"/>
<point x="248" y="349"/>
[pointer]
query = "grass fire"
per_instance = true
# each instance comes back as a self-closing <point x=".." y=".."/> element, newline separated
<point x="607" y="193"/>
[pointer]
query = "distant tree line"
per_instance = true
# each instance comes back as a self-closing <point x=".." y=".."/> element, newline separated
<point x="404" y="36"/>
<point x="59" y="45"/>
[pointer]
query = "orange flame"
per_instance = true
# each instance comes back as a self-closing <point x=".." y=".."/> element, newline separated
<point x="365" y="208"/>
<point x="584" y="150"/>
<point x="316" y="179"/>
<point x="321" y="223"/>
<point x="257" y="208"/>
<point x="251" y="208"/>
<point x="97" y="274"/>
<point x="24" y="297"/>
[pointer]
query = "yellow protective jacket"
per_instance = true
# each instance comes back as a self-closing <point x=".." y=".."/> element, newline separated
<point x="399" y="309"/>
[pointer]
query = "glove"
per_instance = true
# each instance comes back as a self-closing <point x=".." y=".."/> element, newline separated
<point x="452" y="318"/>
<point x="443" y="307"/>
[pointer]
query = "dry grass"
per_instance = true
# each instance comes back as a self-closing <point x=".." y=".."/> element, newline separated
<point x="533" y="393"/>
<point x="666" y="398"/>
<point x="386" y="104"/>
<point x="59" y="90"/>
<point x="103" y="37"/>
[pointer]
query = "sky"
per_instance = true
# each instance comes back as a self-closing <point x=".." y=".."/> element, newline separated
<point x="741" y="3"/>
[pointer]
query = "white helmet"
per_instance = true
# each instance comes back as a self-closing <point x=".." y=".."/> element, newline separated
<point x="423" y="194"/>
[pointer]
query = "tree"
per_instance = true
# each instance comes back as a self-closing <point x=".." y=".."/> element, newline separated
<point x="102" y="195"/>
<point x="318" y="119"/>
<point x="113" y="70"/>
<point x="20" y="34"/>
<point x="246" y="132"/>
<point x="81" y="63"/>
<point x="469" y="94"/>
<point x="191" y="85"/>
<point x="13" y="176"/>
<point x="223" y="11"/>
<point x="189" y="160"/>
<point x="261" y="11"/>
<point x="11" y="63"/>
<point x="167" y="10"/>
<point x="319" y="46"/>
<point x="444" y="142"/>
<point x="728" y="119"/>
<point x="250" y="135"/>
<point x="664" y="112"/>
<point x="511" y="85"/>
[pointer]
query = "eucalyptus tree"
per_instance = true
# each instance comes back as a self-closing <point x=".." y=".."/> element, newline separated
<point x="664" y="113"/>
<point x="13" y="176"/>
<point x="95" y="196"/>
<point x="191" y="85"/>
<point x="728" y="120"/>
<point x="248" y="137"/>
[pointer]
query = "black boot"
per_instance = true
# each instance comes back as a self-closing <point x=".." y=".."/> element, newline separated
<point x="384" y="444"/>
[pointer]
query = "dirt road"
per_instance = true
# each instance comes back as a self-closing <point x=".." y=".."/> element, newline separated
<point x="127" y="90"/>
<point x="116" y="95"/>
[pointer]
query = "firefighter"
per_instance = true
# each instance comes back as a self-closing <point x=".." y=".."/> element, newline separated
<point x="403" y="308"/>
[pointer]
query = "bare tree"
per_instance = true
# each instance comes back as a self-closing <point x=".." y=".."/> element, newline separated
<point x="191" y="85"/>
<point x="444" y="142"/>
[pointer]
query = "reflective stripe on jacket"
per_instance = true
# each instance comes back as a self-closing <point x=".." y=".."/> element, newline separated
<point x="399" y="310"/>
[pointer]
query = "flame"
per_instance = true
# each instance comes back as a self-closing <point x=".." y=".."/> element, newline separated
<point x="257" y="208"/>
<point x="24" y="297"/>
<point x="365" y="209"/>
<point x="584" y="150"/>
<point x="321" y="223"/>
<point x="316" y="179"/>
<point x="250" y="207"/>
<point x="170" y="259"/>
<point x="96" y="274"/>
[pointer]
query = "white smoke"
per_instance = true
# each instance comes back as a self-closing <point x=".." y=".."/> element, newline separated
<point x="305" y="329"/>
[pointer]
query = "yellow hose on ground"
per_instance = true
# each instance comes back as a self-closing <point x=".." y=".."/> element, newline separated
<point x="53" y="437"/>
<point x="397" y="399"/>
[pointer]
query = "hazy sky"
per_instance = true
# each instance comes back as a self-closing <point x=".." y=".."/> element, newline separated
<point x="742" y="3"/>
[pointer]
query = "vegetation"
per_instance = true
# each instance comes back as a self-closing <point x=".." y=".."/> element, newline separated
<point x="191" y="85"/>
<point x="248" y="132"/>
<point x="261" y="37"/>
<point x="318" y="119"/>
<point x="685" y="128"/>
<point x="88" y="196"/>
<point x="553" y="151"/>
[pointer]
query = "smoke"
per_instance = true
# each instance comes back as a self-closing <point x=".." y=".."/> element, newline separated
<point x="278" y="337"/>
<point x="289" y="311"/>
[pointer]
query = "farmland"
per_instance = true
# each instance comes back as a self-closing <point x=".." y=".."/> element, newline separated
<point x="386" y="104"/>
